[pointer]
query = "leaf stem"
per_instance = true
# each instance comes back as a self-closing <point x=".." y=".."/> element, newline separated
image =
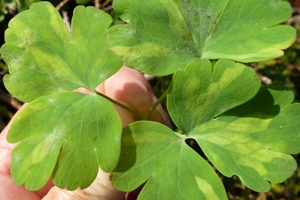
<point x="143" y="117"/>
<point x="121" y="105"/>
<point x="158" y="101"/>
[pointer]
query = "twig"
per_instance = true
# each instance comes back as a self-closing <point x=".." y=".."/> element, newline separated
<point x="105" y="3"/>
<point x="61" y="4"/>
<point x="97" y="4"/>
<point x="8" y="99"/>
<point x="66" y="20"/>
<point x="264" y="79"/>
<point x="108" y="8"/>
<point x="294" y="19"/>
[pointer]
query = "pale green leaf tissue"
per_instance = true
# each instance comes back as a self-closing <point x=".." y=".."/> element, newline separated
<point x="64" y="134"/>
<point x="244" y="130"/>
<point x="44" y="58"/>
<point x="162" y="36"/>
<point x="153" y="153"/>
<point x="241" y="130"/>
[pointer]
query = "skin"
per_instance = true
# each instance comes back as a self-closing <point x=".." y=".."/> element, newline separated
<point x="128" y="87"/>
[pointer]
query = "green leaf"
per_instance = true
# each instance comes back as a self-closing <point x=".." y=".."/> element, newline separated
<point x="63" y="134"/>
<point x="68" y="135"/>
<point x="166" y="163"/>
<point x="241" y="131"/>
<point x="165" y="35"/>
<point x="207" y="93"/>
<point x="44" y="58"/>
<point x="244" y="31"/>
<point x="253" y="140"/>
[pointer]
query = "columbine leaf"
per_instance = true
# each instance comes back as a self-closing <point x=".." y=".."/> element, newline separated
<point x="164" y="35"/>
<point x="238" y="30"/>
<point x="62" y="133"/>
<point x="252" y="138"/>
<point x="43" y="58"/>
<point x="152" y="42"/>
<point x="206" y="93"/>
<point x="166" y="163"/>
<point x="78" y="131"/>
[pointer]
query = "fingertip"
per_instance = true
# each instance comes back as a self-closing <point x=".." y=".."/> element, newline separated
<point x="130" y="87"/>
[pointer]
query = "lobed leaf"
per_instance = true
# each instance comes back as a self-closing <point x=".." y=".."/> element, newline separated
<point x="244" y="31"/>
<point x="241" y="131"/>
<point x="68" y="135"/>
<point x="62" y="134"/>
<point x="253" y="140"/>
<point x="208" y="93"/>
<point x="162" y="36"/>
<point x="251" y="137"/>
<point x="44" y="58"/>
<point x="166" y="163"/>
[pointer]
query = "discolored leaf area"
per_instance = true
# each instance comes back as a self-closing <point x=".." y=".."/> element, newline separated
<point x="63" y="134"/>
<point x="68" y="134"/>
<point x="208" y="93"/>
<point x="153" y="153"/>
<point x="44" y="58"/>
<point x="242" y="133"/>
<point x="243" y="129"/>
<point x="162" y="36"/>
<point x="253" y="140"/>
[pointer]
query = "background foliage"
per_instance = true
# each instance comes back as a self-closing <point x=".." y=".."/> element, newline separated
<point x="281" y="71"/>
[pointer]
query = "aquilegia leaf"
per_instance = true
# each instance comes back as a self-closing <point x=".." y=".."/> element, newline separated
<point x="69" y="134"/>
<point x="253" y="140"/>
<point x="153" y="153"/>
<point x="62" y="133"/>
<point x="163" y="36"/>
<point x="44" y="58"/>
<point x="241" y="131"/>
<point x="208" y="93"/>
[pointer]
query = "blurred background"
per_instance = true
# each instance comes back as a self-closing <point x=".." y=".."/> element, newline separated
<point x="280" y="71"/>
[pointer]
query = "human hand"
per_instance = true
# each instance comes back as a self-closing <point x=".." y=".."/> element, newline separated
<point x="128" y="87"/>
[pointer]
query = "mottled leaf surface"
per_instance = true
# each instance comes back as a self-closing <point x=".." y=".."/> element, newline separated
<point x="243" y="129"/>
<point x="62" y="133"/>
<point x="242" y="132"/>
<point x="154" y="154"/>
<point x="44" y="58"/>
<point x="162" y="36"/>
<point x="68" y="135"/>
<point x="253" y="140"/>
<point x="207" y="93"/>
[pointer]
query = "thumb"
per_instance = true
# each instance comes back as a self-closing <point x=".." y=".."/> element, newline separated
<point x="100" y="189"/>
